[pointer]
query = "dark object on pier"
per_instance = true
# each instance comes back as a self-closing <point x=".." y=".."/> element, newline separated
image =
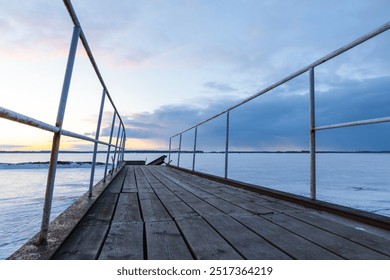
<point x="135" y="162"/>
<point x="158" y="161"/>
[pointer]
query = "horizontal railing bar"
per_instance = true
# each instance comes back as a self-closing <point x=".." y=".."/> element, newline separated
<point x="20" y="118"/>
<point x="82" y="137"/>
<point x="355" y="123"/>
<point x="23" y="119"/>
<point x="337" y="52"/>
<point x="84" y="41"/>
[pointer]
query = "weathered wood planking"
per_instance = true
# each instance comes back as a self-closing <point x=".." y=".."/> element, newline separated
<point x="339" y="245"/>
<point x="164" y="242"/>
<point x="364" y="238"/>
<point x="142" y="183"/>
<point x="155" y="212"/>
<point x="88" y="236"/>
<point x="152" y="208"/>
<point x="129" y="184"/>
<point x="294" y="245"/>
<point x="205" y="242"/>
<point x="83" y="244"/>
<point x="125" y="241"/>
<point x="86" y="240"/>
<point x="128" y="208"/>
<point x="244" y="240"/>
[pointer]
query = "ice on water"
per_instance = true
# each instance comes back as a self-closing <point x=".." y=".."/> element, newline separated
<point x="356" y="180"/>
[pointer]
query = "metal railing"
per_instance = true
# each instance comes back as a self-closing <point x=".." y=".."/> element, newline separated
<point x="313" y="128"/>
<point x="58" y="131"/>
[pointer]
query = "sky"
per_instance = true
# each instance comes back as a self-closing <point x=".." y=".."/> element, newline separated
<point x="171" y="64"/>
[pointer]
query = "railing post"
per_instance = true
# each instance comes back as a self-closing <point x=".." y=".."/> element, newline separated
<point x="57" y="137"/>
<point x="313" y="180"/>
<point x="227" y="144"/>
<point x="120" y="147"/>
<point x="124" y="143"/>
<point x="195" y="139"/>
<point x="116" y="148"/>
<point x="109" y="145"/>
<point x="178" y="156"/>
<point x="169" y="153"/>
<point x="95" y="147"/>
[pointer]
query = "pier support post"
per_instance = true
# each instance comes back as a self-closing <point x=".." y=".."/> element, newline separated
<point x="313" y="180"/>
<point x="57" y="137"/>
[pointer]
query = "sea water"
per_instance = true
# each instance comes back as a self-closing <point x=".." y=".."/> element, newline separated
<point x="356" y="180"/>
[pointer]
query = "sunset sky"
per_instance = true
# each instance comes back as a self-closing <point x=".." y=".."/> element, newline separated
<point x="170" y="64"/>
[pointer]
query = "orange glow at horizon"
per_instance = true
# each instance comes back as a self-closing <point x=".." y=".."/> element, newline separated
<point x="144" y="144"/>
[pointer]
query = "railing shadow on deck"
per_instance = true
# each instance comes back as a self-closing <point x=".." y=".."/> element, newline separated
<point x="115" y="145"/>
<point x="192" y="149"/>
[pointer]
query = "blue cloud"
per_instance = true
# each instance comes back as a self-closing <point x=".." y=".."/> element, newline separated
<point x="278" y="120"/>
<point x="220" y="87"/>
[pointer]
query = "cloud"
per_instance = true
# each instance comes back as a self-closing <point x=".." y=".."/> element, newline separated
<point x="234" y="47"/>
<point x="277" y="120"/>
<point x="221" y="87"/>
<point x="12" y="147"/>
<point x="34" y="30"/>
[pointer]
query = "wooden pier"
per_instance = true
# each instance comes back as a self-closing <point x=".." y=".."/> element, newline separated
<point x="158" y="212"/>
<point x="163" y="213"/>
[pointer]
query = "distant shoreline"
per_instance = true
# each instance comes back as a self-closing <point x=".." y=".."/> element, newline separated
<point x="201" y="152"/>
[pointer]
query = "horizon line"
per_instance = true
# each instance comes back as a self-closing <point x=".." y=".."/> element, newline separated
<point x="201" y="151"/>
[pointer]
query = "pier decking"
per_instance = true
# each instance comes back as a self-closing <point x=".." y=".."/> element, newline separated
<point x="157" y="212"/>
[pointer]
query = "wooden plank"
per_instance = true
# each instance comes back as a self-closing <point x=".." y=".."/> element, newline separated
<point x="164" y="242"/>
<point x="338" y="245"/>
<point x="215" y="187"/>
<point x="353" y="233"/>
<point x="117" y="184"/>
<point x="129" y="184"/>
<point x="178" y="209"/>
<point x="125" y="241"/>
<point x="210" y="192"/>
<point x="151" y="208"/>
<point x="153" y="181"/>
<point x="205" y="242"/>
<point x="127" y="209"/>
<point x="81" y="244"/>
<point x="245" y="241"/>
<point x="226" y="206"/>
<point x="142" y="184"/>
<point x="199" y="205"/>
<point x="264" y="205"/>
<point x="101" y="211"/>
<point x="158" y="187"/>
<point x="288" y="242"/>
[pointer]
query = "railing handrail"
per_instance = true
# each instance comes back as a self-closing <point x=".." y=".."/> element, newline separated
<point x="312" y="128"/>
<point x="23" y="119"/>
<point x="58" y="131"/>
<point x="84" y="41"/>
<point x="316" y="63"/>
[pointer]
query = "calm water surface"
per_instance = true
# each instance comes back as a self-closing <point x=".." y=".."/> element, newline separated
<point x="357" y="180"/>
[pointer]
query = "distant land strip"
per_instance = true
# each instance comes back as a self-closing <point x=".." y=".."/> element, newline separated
<point x="198" y="151"/>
